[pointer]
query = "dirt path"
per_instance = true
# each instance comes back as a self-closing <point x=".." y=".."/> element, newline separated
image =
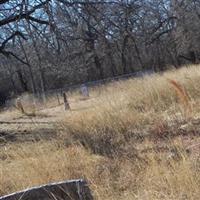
<point x="17" y="127"/>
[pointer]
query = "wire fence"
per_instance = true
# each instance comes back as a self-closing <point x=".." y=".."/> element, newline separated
<point x="53" y="98"/>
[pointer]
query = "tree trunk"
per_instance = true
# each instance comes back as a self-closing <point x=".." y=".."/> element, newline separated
<point x="22" y="81"/>
<point x="41" y="71"/>
<point x="98" y="65"/>
<point x="123" y="55"/>
<point x="29" y="68"/>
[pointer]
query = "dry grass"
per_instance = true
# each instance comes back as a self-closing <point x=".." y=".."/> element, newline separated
<point x="135" y="141"/>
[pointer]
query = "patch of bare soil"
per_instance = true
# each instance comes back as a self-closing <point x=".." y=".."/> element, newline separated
<point x="26" y="135"/>
<point x="21" y="128"/>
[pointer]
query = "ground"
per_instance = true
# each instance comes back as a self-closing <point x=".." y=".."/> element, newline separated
<point x="131" y="139"/>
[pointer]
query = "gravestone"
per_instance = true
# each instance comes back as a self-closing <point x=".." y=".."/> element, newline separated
<point x="68" y="190"/>
<point x="84" y="90"/>
<point x="19" y="105"/>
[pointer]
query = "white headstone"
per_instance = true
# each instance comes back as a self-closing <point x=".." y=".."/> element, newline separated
<point x="84" y="90"/>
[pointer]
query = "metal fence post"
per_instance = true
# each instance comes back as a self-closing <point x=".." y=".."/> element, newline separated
<point x="66" y="104"/>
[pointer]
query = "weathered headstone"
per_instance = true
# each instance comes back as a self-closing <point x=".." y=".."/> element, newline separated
<point x="68" y="190"/>
<point x="19" y="105"/>
<point x="84" y="90"/>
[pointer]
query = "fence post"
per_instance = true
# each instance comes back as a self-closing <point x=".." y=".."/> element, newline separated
<point x="58" y="99"/>
<point x="66" y="104"/>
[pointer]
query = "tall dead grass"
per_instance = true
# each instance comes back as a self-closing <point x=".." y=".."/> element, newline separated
<point x="128" y="145"/>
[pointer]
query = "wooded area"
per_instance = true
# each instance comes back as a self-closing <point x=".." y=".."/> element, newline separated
<point x="46" y="44"/>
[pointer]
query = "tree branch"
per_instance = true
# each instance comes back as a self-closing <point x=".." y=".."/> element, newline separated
<point x="14" y="18"/>
<point x="3" y="1"/>
<point x="17" y="33"/>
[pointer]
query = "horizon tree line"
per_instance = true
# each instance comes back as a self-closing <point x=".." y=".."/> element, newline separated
<point x="46" y="44"/>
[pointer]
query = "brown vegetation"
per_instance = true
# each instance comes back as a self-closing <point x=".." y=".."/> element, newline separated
<point x="132" y="142"/>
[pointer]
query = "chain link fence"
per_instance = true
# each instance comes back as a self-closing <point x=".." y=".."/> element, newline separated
<point x="53" y="98"/>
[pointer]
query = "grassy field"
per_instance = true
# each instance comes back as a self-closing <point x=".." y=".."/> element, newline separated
<point x="134" y="139"/>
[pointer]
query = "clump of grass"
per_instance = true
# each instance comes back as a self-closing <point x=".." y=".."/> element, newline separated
<point x="21" y="108"/>
<point x="120" y="177"/>
<point x="182" y="95"/>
